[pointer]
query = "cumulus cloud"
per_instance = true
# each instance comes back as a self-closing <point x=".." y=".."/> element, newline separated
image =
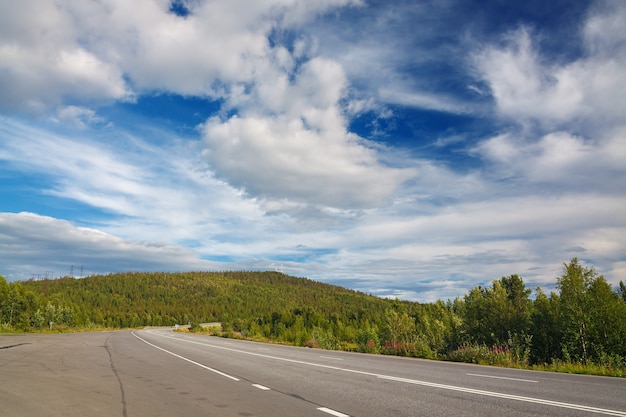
<point x="298" y="147"/>
<point x="42" y="61"/>
<point x="91" y="51"/>
<point x="290" y="141"/>
<point x="276" y="159"/>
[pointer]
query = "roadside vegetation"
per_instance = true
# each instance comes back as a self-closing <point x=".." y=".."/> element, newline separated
<point x="580" y="328"/>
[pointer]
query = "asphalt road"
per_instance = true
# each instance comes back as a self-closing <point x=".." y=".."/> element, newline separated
<point x="161" y="373"/>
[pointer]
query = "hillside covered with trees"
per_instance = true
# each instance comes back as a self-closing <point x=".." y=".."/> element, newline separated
<point x="584" y="323"/>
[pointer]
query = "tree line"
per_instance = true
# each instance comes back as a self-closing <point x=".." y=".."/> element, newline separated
<point x="582" y="322"/>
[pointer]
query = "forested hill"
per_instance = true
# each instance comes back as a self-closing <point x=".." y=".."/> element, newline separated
<point x="156" y="299"/>
<point x="583" y="323"/>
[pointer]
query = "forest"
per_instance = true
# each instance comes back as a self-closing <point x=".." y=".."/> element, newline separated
<point x="580" y="327"/>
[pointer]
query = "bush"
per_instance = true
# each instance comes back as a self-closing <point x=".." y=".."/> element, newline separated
<point x="325" y="339"/>
<point x="367" y="341"/>
<point x="195" y="327"/>
<point x="483" y="355"/>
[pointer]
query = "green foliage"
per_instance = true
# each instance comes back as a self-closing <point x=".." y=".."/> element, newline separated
<point x="546" y="328"/>
<point x="604" y="369"/>
<point x="367" y="339"/>
<point x="195" y="327"/>
<point x="583" y="324"/>
<point x="580" y="328"/>
<point x="325" y="339"/>
<point x="481" y="354"/>
<point x="591" y="315"/>
<point x="621" y="291"/>
<point x="576" y="309"/>
<point x="514" y="353"/>
<point x="491" y="314"/>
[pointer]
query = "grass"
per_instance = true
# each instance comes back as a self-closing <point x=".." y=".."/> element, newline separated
<point x="583" y="369"/>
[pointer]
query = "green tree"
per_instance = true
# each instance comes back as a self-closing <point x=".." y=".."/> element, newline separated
<point x="576" y="305"/>
<point x="4" y="302"/>
<point x="607" y="330"/>
<point x="367" y="339"/>
<point x="546" y="328"/>
<point x="492" y="315"/>
<point x="398" y="331"/>
<point x="474" y="313"/>
<point x="621" y="291"/>
<point x="520" y="305"/>
<point x="14" y="306"/>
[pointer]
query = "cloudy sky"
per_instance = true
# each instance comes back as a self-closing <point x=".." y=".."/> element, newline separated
<point x="403" y="148"/>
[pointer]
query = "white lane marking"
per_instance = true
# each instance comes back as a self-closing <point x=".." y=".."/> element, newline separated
<point x="417" y="382"/>
<point x="509" y="396"/>
<point x="502" y="377"/>
<point x="331" y="357"/>
<point x="332" y="412"/>
<point x="261" y="387"/>
<point x="186" y="359"/>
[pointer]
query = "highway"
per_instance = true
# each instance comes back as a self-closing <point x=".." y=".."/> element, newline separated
<point x="157" y="372"/>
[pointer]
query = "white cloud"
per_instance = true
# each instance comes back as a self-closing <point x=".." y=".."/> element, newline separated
<point x="34" y="244"/>
<point x="280" y="158"/>
<point x="570" y="127"/>
<point x="523" y="87"/>
<point x="80" y="117"/>
<point x="291" y="142"/>
<point x="587" y="92"/>
<point x="42" y="61"/>
<point x="475" y="242"/>
<point x="57" y="52"/>
<point x="560" y="160"/>
<point x="430" y="101"/>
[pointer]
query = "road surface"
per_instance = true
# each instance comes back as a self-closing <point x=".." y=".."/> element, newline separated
<point x="157" y="372"/>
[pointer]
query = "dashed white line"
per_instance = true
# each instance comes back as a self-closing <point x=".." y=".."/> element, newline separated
<point x="332" y="412"/>
<point x="502" y="377"/>
<point x="261" y="387"/>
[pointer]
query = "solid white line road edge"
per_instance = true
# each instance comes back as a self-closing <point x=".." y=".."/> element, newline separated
<point x="186" y="359"/>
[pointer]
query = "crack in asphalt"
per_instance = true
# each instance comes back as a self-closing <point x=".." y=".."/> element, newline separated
<point x="12" y="346"/>
<point x="119" y="380"/>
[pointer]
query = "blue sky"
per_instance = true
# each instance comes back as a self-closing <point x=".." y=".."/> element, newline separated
<point x="404" y="149"/>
